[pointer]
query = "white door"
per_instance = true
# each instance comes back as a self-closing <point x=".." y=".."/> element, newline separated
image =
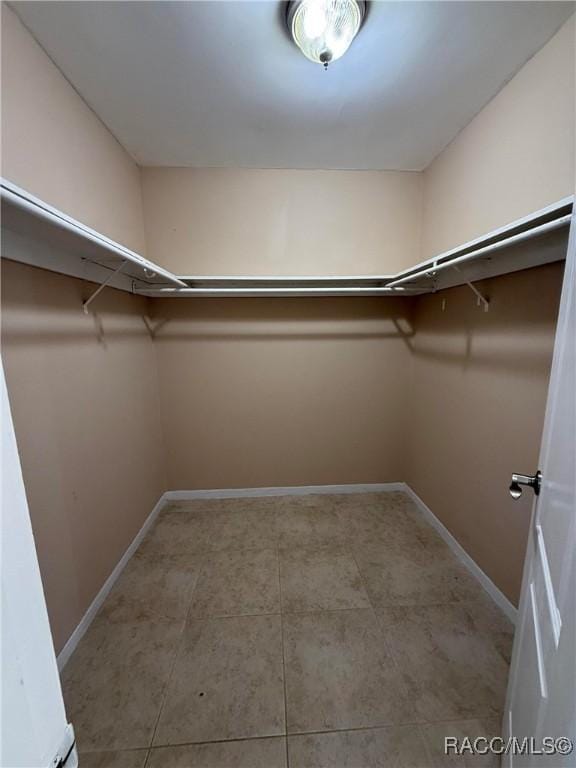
<point x="34" y="731"/>
<point x="541" y="699"/>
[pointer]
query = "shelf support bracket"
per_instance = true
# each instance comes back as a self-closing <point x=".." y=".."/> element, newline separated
<point x="480" y="298"/>
<point x="86" y="304"/>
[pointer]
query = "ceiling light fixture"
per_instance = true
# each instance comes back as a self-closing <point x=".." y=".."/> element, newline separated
<point x="324" y="29"/>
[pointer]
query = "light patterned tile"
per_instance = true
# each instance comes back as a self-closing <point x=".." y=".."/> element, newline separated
<point x="309" y="522"/>
<point x="178" y="531"/>
<point x="339" y="674"/>
<point x="320" y="580"/>
<point x="395" y="747"/>
<point x="114" y="683"/>
<point x="227" y="682"/>
<point x="451" y="667"/>
<point x="235" y="583"/>
<point x="123" y="759"/>
<point x="251" y="753"/>
<point x="388" y="520"/>
<point x="153" y="587"/>
<point x="414" y="576"/>
<point x="244" y="526"/>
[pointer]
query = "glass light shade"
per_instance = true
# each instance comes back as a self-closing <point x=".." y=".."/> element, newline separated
<point x="324" y="29"/>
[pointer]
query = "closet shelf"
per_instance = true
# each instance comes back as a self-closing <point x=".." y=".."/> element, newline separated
<point x="35" y="233"/>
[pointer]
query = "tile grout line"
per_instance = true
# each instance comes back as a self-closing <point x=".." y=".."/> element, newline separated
<point x="387" y="726"/>
<point x="311" y="611"/>
<point x="283" y="659"/>
<point x="382" y="633"/>
<point x="390" y="726"/>
<point x="175" y="659"/>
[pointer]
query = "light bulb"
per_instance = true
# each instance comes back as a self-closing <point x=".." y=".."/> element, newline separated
<point x="314" y="21"/>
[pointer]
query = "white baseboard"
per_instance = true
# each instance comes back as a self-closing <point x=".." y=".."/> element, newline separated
<point x="299" y="490"/>
<point x="288" y="490"/>
<point x="499" y="597"/>
<point x="88" y="617"/>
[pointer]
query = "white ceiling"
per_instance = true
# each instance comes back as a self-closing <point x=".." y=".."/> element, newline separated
<point x="220" y="83"/>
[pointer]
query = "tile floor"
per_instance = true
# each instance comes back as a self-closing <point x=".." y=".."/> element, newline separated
<point x="310" y="632"/>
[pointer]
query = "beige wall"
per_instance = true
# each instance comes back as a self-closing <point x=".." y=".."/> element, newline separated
<point x="515" y="157"/>
<point x="55" y="147"/>
<point x="84" y="397"/>
<point x="264" y="392"/>
<point x="277" y="222"/>
<point x="478" y="394"/>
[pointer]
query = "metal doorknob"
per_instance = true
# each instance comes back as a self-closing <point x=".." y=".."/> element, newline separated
<point x="532" y="481"/>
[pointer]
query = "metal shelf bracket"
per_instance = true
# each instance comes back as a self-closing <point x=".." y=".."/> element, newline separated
<point x="86" y="304"/>
<point x="480" y="298"/>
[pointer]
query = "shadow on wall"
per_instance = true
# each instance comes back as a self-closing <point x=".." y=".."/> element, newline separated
<point x="39" y="305"/>
<point x="288" y="318"/>
<point x="513" y="335"/>
<point x="112" y="315"/>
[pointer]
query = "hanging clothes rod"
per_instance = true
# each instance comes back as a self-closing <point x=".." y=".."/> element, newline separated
<point x="279" y="292"/>
<point x="434" y="268"/>
<point x="204" y="281"/>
